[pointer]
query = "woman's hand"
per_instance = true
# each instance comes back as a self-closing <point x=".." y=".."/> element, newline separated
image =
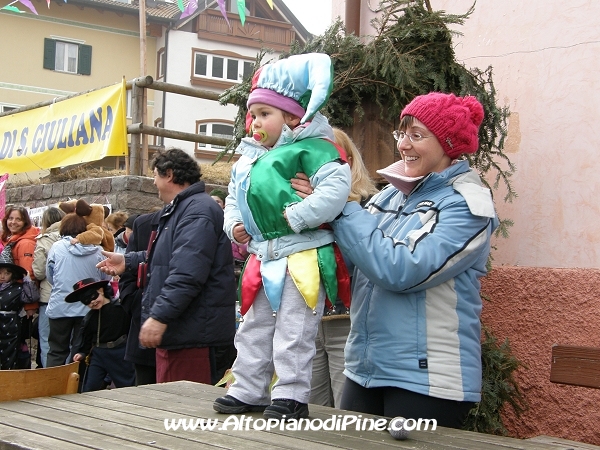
<point x="240" y="235"/>
<point x="301" y="185"/>
<point x="77" y="357"/>
<point x="114" y="264"/>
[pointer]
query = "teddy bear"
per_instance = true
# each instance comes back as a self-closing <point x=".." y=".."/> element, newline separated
<point x="94" y="215"/>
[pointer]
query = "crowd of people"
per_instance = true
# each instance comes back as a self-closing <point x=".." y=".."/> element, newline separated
<point x="351" y="297"/>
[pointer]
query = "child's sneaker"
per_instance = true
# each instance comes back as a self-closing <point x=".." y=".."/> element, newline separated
<point x="285" y="409"/>
<point x="231" y="405"/>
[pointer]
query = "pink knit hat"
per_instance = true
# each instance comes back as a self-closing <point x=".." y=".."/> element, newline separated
<point x="272" y="98"/>
<point x="453" y="120"/>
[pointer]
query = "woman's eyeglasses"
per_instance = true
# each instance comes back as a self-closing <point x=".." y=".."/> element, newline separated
<point x="414" y="137"/>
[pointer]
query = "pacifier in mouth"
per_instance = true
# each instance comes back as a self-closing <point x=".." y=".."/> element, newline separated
<point x="260" y="136"/>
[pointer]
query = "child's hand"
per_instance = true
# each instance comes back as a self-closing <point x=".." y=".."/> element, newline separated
<point x="78" y="357"/>
<point x="74" y="241"/>
<point x="240" y="235"/>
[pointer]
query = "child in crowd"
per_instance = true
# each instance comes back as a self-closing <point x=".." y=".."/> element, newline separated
<point x="16" y="289"/>
<point x="292" y="266"/>
<point x="104" y="335"/>
<point x="115" y="223"/>
<point x="218" y="195"/>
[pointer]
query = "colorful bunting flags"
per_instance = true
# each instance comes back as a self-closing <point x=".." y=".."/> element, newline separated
<point x="186" y="11"/>
<point x="241" y="4"/>
<point x="223" y="11"/>
<point x="29" y="5"/>
<point x="189" y="9"/>
<point x="12" y="8"/>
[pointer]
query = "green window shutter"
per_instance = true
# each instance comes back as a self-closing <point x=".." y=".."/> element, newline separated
<point x="49" y="53"/>
<point x="85" y="60"/>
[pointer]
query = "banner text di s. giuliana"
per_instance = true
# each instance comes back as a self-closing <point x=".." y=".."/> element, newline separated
<point x="85" y="128"/>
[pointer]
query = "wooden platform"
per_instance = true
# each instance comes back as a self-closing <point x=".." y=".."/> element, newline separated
<point x="134" y="418"/>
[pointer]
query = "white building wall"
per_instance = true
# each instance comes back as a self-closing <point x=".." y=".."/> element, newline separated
<point x="182" y="112"/>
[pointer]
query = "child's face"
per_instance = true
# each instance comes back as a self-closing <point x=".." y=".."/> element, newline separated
<point x="99" y="301"/>
<point x="270" y="120"/>
<point x="5" y="275"/>
<point x="219" y="201"/>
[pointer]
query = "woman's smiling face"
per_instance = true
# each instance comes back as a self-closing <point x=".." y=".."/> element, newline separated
<point x="15" y="222"/>
<point x="421" y="151"/>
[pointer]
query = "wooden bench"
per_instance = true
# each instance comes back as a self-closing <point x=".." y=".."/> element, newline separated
<point x="578" y="366"/>
<point x="29" y="383"/>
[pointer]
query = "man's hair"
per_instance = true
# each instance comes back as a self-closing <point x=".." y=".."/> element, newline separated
<point x="185" y="168"/>
<point x="72" y="225"/>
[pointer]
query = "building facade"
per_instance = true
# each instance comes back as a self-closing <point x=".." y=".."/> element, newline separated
<point x="207" y="52"/>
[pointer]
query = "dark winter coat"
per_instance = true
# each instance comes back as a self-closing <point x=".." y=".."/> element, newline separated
<point x="131" y="295"/>
<point x="191" y="286"/>
<point x="13" y="295"/>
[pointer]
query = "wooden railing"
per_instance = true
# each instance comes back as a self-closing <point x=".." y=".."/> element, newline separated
<point x="255" y="32"/>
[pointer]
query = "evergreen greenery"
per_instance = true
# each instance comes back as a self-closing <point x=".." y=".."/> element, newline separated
<point x="498" y="389"/>
<point x="410" y="54"/>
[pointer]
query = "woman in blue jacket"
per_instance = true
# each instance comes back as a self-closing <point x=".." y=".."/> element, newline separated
<point x="419" y="248"/>
<point x="66" y="264"/>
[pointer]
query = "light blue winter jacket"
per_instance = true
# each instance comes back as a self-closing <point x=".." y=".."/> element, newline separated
<point x="415" y="295"/>
<point x="66" y="265"/>
<point x="331" y="185"/>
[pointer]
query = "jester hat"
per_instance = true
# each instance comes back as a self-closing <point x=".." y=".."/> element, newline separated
<point x="299" y="85"/>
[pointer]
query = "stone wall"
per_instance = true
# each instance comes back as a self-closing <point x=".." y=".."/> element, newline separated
<point x="134" y="194"/>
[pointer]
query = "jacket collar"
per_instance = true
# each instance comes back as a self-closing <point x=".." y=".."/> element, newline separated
<point x="193" y="189"/>
<point x="395" y="174"/>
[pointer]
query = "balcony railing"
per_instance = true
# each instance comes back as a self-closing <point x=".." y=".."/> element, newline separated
<point x="255" y="32"/>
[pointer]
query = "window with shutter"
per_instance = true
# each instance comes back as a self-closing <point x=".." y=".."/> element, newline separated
<point x="67" y="57"/>
<point x="85" y="60"/>
<point x="49" y="53"/>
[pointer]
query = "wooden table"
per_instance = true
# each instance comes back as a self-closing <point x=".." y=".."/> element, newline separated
<point x="134" y="418"/>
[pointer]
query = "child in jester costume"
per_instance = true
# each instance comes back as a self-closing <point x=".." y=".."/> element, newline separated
<point x="292" y="267"/>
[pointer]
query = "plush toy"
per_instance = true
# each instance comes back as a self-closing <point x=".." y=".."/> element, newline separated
<point x="94" y="217"/>
<point x="67" y="207"/>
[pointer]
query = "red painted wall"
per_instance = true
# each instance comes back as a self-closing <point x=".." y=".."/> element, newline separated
<point x="535" y="308"/>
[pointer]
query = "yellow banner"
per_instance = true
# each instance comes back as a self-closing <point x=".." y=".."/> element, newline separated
<point x="81" y="129"/>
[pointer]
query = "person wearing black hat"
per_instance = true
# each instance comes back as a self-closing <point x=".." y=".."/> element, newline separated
<point x="104" y="334"/>
<point x="16" y="289"/>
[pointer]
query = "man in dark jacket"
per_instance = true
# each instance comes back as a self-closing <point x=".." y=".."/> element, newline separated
<point x="188" y="303"/>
